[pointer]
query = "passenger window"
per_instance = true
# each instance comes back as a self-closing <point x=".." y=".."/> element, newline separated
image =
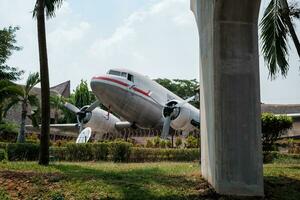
<point x="130" y="78"/>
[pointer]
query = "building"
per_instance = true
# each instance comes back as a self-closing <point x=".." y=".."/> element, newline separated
<point x="292" y="110"/>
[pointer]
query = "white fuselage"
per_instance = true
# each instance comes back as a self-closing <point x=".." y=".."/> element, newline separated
<point x="140" y="100"/>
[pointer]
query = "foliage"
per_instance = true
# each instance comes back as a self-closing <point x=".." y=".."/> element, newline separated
<point x="79" y="152"/>
<point x="276" y="26"/>
<point x="178" y="142"/>
<point x="162" y="144"/>
<point x="22" y="151"/>
<point x="169" y="154"/>
<point x="82" y="95"/>
<point x="191" y="142"/>
<point x="149" y="144"/>
<point x="3" y="195"/>
<point x="100" y="151"/>
<point x="182" y="88"/>
<point x="8" y="131"/>
<point x="120" y="151"/>
<point x="156" y="142"/>
<point x="169" y="144"/>
<point x="3" y="155"/>
<point x="272" y="128"/>
<point x="25" y="97"/>
<point x="7" y="46"/>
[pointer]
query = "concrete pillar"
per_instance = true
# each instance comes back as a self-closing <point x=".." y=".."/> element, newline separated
<point x="231" y="153"/>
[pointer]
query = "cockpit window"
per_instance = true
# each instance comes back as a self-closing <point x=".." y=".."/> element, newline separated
<point x="113" y="72"/>
<point x="124" y="74"/>
<point x="130" y="78"/>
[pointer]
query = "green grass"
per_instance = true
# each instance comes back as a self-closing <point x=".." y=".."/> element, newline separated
<point x="106" y="180"/>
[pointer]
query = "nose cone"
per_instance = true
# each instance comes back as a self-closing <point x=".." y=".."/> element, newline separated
<point x="98" y="85"/>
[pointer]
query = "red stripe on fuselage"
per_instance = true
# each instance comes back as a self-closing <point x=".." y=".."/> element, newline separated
<point x="123" y="84"/>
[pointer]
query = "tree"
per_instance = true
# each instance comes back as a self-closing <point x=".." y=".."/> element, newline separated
<point x="7" y="46"/>
<point x="41" y="8"/>
<point x="26" y="98"/>
<point x="272" y="128"/>
<point x="8" y="90"/>
<point x="182" y="88"/>
<point x="57" y="103"/>
<point x="276" y="25"/>
<point x="82" y="94"/>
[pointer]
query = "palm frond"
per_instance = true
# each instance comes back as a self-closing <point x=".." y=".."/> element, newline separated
<point x="274" y="40"/>
<point x="32" y="80"/>
<point x="34" y="101"/>
<point x="50" y="7"/>
<point x="11" y="102"/>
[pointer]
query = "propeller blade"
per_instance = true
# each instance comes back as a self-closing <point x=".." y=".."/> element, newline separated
<point x="71" y="107"/>
<point x="185" y="101"/>
<point x="93" y="106"/>
<point x="166" y="127"/>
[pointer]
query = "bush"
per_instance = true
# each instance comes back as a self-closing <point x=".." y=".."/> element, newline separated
<point x="100" y="151"/>
<point x="272" y="128"/>
<point x="8" y="132"/>
<point x="162" y="144"/>
<point x="3" y="145"/>
<point x="3" y="155"/>
<point x="149" y="144"/>
<point x="120" y="151"/>
<point x="79" y="152"/>
<point x="156" y="142"/>
<point x="178" y="142"/>
<point x="169" y="144"/>
<point x="58" y="153"/>
<point x="191" y="142"/>
<point x="22" y="151"/>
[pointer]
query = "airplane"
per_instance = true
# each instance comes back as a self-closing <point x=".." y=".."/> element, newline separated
<point x="142" y="102"/>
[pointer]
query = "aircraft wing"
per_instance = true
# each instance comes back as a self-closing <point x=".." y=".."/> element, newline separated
<point x="57" y="129"/>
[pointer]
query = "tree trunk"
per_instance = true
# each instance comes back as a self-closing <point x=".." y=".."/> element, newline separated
<point x="45" y="93"/>
<point x="21" y="135"/>
<point x="287" y="19"/>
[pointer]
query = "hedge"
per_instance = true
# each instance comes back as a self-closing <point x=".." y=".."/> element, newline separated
<point x="22" y="151"/>
<point x="117" y="151"/>
<point x="3" y="155"/>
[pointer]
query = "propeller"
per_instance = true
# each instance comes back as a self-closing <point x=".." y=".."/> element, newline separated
<point x="84" y="114"/>
<point x="170" y="111"/>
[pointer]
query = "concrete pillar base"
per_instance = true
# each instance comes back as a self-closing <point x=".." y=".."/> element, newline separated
<point x="231" y="153"/>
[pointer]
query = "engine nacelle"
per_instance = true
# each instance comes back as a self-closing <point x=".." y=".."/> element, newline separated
<point x="101" y="122"/>
<point x="183" y="116"/>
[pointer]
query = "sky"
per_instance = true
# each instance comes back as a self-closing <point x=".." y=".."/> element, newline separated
<point x="158" y="38"/>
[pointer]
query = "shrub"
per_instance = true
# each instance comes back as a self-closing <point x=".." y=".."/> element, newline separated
<point x="272" y="128"/>
<point x="3" y="145"/>
<point x="156" y="142"/>
<point x="3" y="155"/>
<point x="100" y="151"/>
<point x="120" y="151"/>
<point x="191" y="142"/>
<point x="8" y="132"/>
<point x="79" y="152"/>
<point x="149" y="144"/>
<point x="178" y="142"/>
<point x="22" y="151"/>
<point x="58" y="153"/>
<point x="154" y="155"/>
<point x="169" y="144"/>
<point x="163" y="144"/>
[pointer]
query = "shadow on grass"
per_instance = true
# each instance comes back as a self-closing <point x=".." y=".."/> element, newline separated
<point x="281" y="187"/>
<point x="149" y="183"/>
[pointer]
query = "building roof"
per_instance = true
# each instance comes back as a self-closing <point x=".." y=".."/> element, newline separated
<point x="280" y="108"/>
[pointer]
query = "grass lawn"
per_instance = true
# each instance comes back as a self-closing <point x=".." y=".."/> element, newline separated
<point x="106" y="180"/>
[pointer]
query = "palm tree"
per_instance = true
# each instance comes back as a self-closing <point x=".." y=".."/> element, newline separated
<point x="41" y="8"/>
<point x="276" y="25"/>
<point x="8" y="90"/>
<point x="57" y="104"/>
<point x="26" y="98"/>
